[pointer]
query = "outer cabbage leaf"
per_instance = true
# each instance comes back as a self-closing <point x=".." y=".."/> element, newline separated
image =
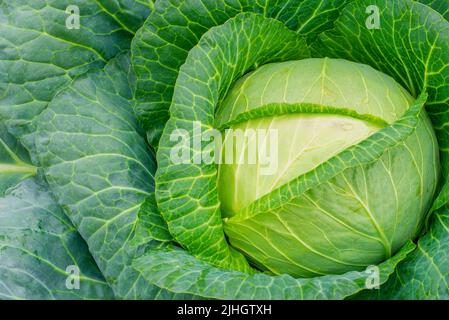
<point x="150" y="224"/>
<point x="15" y="164"/>
<point x="129" y="14"/>
<point x="178" y="271"/>
<point x="37" y="241"/>
<point x="38" y="248"/>
<point x="438" y="5"/>
<point x="100" y="169"/>
<point x="39" y="55"/>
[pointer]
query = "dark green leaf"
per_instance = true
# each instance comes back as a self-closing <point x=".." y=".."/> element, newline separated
<point x="41" y="253"/>
<point x="15" y="164"/>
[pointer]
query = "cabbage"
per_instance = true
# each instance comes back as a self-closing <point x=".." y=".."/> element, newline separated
<point x="358" y="218"/>
<point x="269" y="149"/>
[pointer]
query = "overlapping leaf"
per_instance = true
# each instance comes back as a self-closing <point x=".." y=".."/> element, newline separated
<point x="129" y="14"/>
<point x="440" y="6"/>
<point x="99" y="168"/>
<point x="43" y="49"/>
<point x="42" y="256"/>
<point x="15" y="164"/>
<point x="360" y="154"/>
<point x="178" y="271"/>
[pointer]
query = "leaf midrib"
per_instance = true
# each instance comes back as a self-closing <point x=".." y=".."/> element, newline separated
<point x="278" y="109"/>
<point x="17" y="168"/>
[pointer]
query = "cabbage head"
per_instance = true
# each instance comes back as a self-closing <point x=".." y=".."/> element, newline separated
<point x="361" y="216"/>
